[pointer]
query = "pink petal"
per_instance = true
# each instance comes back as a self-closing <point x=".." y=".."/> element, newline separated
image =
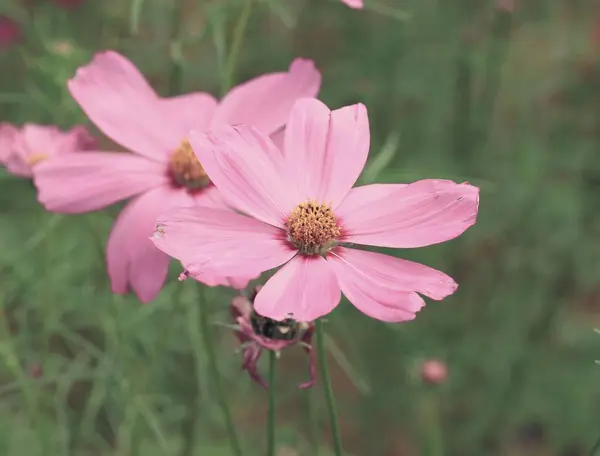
<point x="305" y="287"/>
<point x="50" y="140"/>
<point x="14" y="150"/>
<point x="76" y="139"/>
<point x="38" y="138"/>
<point x="222" y="242"/>
<point x="117" y="98"/>
<point x="89" y="181"/>
<point x="247" y="169"/>
<point x="422" y="213"/>
<point x="385" y="271"/>
<point x="278" y="138"/>
<point x="265" y="102"/>
<point x="132" y="259"/>
<point x="373" y="291"/>
<point x="369" y="194"/>
<point x="8" y="134"/>
<point x="210" y="197"/>
<point x="208" y="277"/>
<point x="193" y="111"/>
<point x="326" y="150"/>
<point x="356" y="4"/>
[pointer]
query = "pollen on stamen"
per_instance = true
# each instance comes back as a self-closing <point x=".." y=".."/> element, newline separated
<point x="185" y="168"/>
<point x="313" y="228"/>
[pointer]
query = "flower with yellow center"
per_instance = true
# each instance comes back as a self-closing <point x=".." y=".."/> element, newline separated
<point x="313" y="228"/>
<point x="324" y="152"/>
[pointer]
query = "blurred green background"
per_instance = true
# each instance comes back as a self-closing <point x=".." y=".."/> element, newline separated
<point x="464" y="90"/>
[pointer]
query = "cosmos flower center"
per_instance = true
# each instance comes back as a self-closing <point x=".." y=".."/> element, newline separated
<point x="313" y="228"/>
<point x="34" y="159"/>
<point x="185" y="168"/>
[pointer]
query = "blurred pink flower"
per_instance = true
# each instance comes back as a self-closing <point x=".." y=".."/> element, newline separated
<point x="434" y="371"/>
<point x="302" y="212"/>
<point x="36" y="371"/>
<point x="23" y="148"/>
<point x="9" y="32"/>
<point x="508" y="6"/>
<point x="163" y="171"/>
<point x="356" y="4"/>
<point x="257" y="333"/>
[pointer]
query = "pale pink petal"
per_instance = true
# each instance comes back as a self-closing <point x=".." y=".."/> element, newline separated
<point x="50" y="140"/>
<point x="265" y="102"/>
<point x="305" y="289"/>
<point x="278" y="138"/>
<point x="117" y="98"/>
<point x="247" y="169"/>
<point x="132" y="259"/>
<point x="208" y="277"/>
<point x="223" y="242"/>
<point x="89" y="181"/>
<point x="210" y="197"/>
<point x="8" y="133"/>
<point x="367" y="287"/>
<point x="326" y="150"/>
<point x="39" y="139"/>
<point x="356" y="4"/>
<point x="369" y="194"/>
<point x="385" y="271"/>
<point x="13" y="151"/>
<point x="76" y="139"/>
<point x="193" y="111"/>
<point x="422" y="213"/>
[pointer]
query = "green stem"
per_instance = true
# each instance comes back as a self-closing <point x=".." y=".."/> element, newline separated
<point x="236" y="45"/>
<point x="215" y="377"/>
<point x="176" y="73"/>
<point x="314" y="421"/>
<point x="497" y="55"/>
<point x="596" y="449"/>
<point x="330" y="399"/>
<point x="271" y="414"/>
<point x="432" y="439"/>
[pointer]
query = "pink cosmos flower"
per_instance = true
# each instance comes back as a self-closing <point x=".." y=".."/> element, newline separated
<point x="257" y="333"/>
<point x="163" y="171"/>
<point x="302" y="212"/>
<point x="23" y="148"/>
<point x="356" y="4"/>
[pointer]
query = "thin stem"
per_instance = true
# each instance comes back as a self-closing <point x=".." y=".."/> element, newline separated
<point x="215" y="377"/>
<point x="176" y="72"/>
<point x="313" y="420"/>
<point x="497" y="55"/>
<point x="596" y="449"/>
<point x="236" y="45"/>
<point x="271" y="414"/>
<point x="330" y="399"/>
<point x="432" y="438"/>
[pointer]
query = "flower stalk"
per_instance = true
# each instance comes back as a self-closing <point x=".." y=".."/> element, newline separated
<point x="329" y="397"/>
<point x="236" y="46"/>
<point x="272" y="404"/>
<point x="215" y="376"/>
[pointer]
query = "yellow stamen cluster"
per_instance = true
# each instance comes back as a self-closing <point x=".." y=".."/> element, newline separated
<point x="34" y="159"/>
<point x="313" y="228"/>
<point x="186" y="169"/>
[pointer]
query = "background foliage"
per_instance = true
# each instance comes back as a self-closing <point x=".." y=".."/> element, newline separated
<point x="458" y="90"/>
